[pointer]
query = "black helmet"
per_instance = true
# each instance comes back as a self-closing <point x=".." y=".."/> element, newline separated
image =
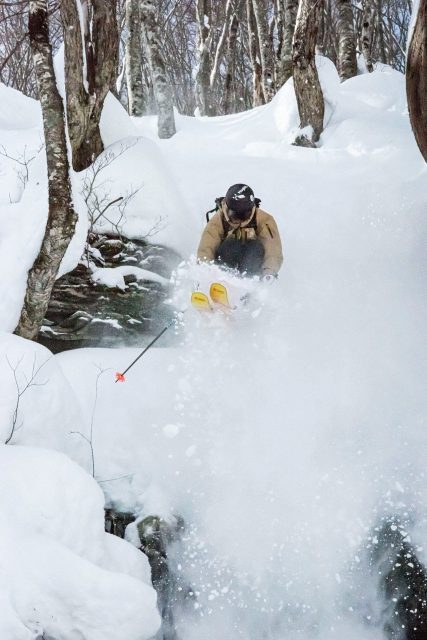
<point x="240" y="201"/>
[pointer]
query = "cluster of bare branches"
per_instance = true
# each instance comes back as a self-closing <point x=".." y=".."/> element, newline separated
<point x="214" y="52"/>
<point x="97" y="196"/>
<point x="16" y="62"/>
<point x="22" y="165"/>
<point x="23" y="383"/>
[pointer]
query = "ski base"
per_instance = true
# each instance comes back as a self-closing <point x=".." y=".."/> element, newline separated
<point x="217" y="299"/>
<point x="200" y="301"/>
<point x="219" y="294"/>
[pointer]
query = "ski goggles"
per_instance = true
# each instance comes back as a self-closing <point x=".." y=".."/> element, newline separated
<point x="239" y="216"/>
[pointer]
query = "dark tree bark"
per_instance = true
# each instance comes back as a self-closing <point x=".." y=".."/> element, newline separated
<point x="416" y="79"/>
<point x="61" y="217"/>
<point x="347" y="62"/>
<point x="380" y="32"/>
<point x="265" y="49"/>
<point x="203" y="92"/>
<point x="230" y="65"/>
<point x="285" y="62"/>
<point x="308" y="91"/>
<point x="223" y="40"/>
<point x="90" y="73"/>
<point x="162" y="92"/>
<point x="135" y="85"/>
<point x="279" y="17"/>
<point x="367" y="33"/>
<point x="255" y="56"/>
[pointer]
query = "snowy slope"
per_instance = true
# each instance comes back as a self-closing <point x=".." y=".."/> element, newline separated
<point x="283" y="438"/>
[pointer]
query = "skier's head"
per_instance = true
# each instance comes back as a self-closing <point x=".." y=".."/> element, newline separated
<point x="240" y="202"/>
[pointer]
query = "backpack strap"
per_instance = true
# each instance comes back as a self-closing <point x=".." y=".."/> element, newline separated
<point x="217" y="206"/>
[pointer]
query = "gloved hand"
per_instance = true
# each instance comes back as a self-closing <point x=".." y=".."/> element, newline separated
<point x="269" y="278"/>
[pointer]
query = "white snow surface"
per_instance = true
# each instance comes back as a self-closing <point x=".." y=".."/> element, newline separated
<point x="61" y="575"/>
<point x="115" y="277"/>
<point x="284" y="433"/>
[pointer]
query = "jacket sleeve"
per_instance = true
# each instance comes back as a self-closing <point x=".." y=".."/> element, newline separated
<point x="270" y="238"/>
<point x="212" y="237"/>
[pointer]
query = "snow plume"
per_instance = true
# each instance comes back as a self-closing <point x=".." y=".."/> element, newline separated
<point x="282" y="438"/>
<point x="285" y="437"/>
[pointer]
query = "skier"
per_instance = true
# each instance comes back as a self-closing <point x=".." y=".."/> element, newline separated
<point x="242" y="236"/>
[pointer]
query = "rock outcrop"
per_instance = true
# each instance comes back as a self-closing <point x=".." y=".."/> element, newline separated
<point x="116" y="294"/>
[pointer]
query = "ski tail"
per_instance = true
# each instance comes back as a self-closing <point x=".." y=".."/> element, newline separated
<point x="200" y="301"/>
<point x="219" y="294"/>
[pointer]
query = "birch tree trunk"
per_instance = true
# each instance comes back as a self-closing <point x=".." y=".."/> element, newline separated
<point x="266" y="49"/>
<point x="162" y="91"/>
<point x="380" y="31"/>
<point x="347" y="62"/>
<point x="61" y="217"/>
<point x="279" y="16"/>
<point x="285" y="63"/>
<point x="221" y="44"/>
<point x="255" y="56"/>
<point x="133" y="65"/>
<point x="203" y="92"/>
<point x="308" y="91"/>
<point x="367" y="33"/>
<point x="416" y="79"/>
<point x="230" y="65"/>
<point x="90" y="72"/>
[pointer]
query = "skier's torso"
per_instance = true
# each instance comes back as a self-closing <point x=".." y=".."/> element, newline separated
<point x="261" y="225"/>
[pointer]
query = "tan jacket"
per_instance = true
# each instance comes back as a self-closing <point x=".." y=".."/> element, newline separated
<point x="267" y="232"/>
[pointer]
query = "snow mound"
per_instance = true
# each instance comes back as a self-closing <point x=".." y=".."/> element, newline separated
<point x="37" y="404"/>
<point x="61" y="575"/>
<point x="17" y="111"/>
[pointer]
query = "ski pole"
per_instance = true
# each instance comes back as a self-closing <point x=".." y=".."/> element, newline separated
<point x="120" y="377"/>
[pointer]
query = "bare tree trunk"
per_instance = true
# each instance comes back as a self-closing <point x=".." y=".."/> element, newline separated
<point x="347" y="62"/>
<point x="255" y="56"/>
<point x="265" y="48"/>
<point x="321" y="29"/>
<point x="221" y="44"/>
<point x="230" y="64"/>
<point x="89" y="73"/>
<point x="367" y="33"/>
<point x="308" y="91"/>
<point x="203" y="92"/>
<point x="285" y="65"/>
<point x="416" y="79"/>
<point x="162" y="92"/>
<point x="135" y="85"/>
<point x="61" y="218"/>
<point x="279" y="16"/>
<point x="380" y="31"/>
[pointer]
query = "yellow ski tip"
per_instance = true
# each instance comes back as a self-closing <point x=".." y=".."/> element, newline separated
<point x="200" y="301"/>
<point x="219" y="294"/>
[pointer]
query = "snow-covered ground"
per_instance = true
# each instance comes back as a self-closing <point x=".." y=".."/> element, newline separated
<point x="281" y="437"/>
